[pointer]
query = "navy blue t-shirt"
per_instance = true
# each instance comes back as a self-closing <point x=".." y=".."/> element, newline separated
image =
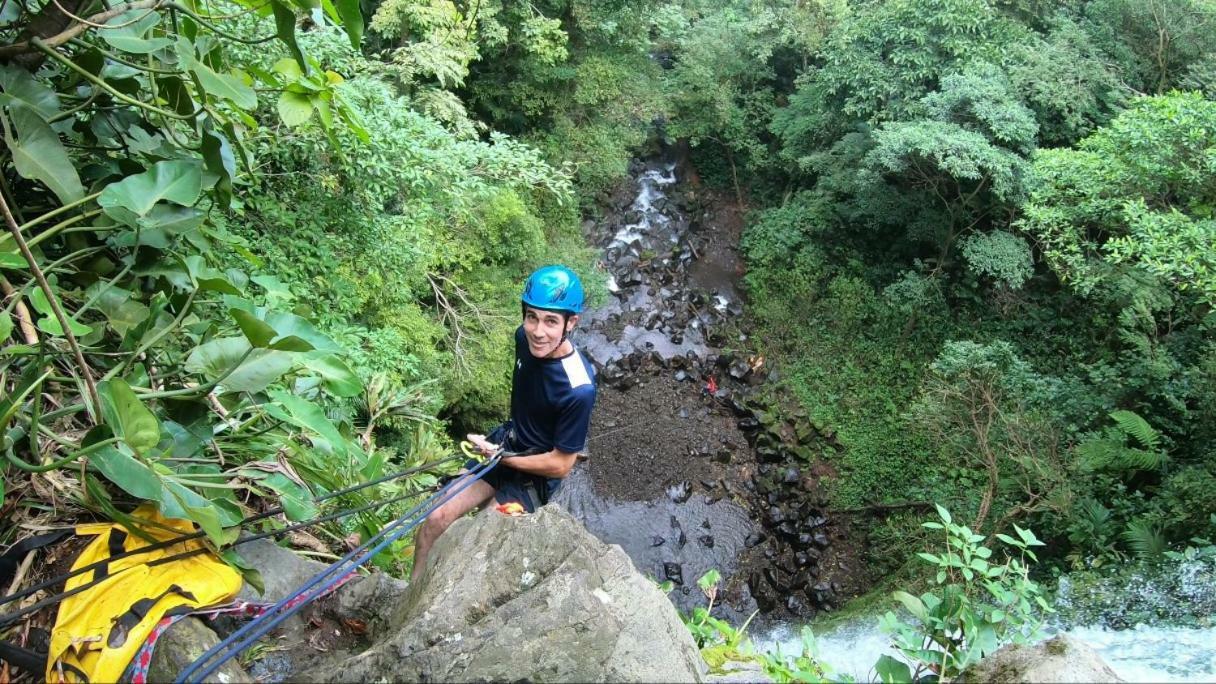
<point x="551" y="399"/>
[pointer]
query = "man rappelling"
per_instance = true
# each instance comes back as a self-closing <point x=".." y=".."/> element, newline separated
<point x="552" y="394"/>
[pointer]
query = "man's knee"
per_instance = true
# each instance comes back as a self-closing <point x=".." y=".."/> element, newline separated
<point x="440" y="519"/>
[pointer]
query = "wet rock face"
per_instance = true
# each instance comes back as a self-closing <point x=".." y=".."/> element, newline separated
<point x="670" y="540"/>
<point x="1060" y="659"/>
<point x="677" y="422"/>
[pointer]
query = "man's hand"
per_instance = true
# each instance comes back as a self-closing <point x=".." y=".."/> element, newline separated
<point x="483" y="445"/>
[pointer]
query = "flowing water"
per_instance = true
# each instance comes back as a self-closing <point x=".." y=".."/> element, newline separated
<point x="1149" y="625"/>
<point x="1140" y="654"/>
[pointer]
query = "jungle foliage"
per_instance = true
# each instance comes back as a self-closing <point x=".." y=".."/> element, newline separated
<point x="255" y="252"/>
<point x="980" y="245"/>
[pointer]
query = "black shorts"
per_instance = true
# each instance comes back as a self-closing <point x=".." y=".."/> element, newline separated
<point x="530" y="491"/>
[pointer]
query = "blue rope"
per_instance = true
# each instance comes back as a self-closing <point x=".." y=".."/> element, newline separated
<point x="267" y="621"/>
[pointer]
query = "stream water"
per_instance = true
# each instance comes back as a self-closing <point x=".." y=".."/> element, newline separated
<point x="1140" y="654"/>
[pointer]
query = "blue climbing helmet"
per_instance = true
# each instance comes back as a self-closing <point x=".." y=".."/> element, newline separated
<point x="554" y="288"/>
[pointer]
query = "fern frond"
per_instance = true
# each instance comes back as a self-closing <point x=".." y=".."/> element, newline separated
<point x="1144" y="539"/>
<point x="1095" y="515"/>
<point x="1138" y="428"/>
<point x="1139" y="459"/>
<point x="1098" y="453"/>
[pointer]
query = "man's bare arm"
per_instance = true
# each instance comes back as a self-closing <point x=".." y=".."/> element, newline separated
<point x="555" y="463"/>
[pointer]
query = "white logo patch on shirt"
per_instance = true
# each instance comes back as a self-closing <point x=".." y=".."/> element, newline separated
<point x="576" y="372"/>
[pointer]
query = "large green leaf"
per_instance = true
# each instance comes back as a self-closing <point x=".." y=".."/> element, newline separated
<point x="337" y="377"/>
<point x="220" y="160"/>
<point x="225" y="86"/>
<point x="177" y="180"/>
<point x="6" y="325"/>
<point x="288" y="325"/>
<point x="49" y="322"/>
<point x="285" y="28"/>
<point x="891" y="670"/>
<point x="130" y="420"/>
<point x="21" y="88"/>
<point x="144" y="482"/>
<point x="208" y="278"/>
<point x="132" y="476"/>
<point x="352" y="20"/>
<point x="302" y="413"/>
<point x="262" y="367"/>
<point x="295" y="109"/>
<point x="39" y="155"/>
<point x="130" y="30"/>
<point x="258" y="332"/>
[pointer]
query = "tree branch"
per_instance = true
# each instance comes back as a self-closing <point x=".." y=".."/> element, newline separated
<point x="75" y="29"/>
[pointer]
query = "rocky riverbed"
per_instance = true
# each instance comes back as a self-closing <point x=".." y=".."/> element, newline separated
<point x="690" y="467"/>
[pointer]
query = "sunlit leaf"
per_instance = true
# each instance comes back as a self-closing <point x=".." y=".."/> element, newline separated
<point x="129" y="32"/>
<point x="225" y="86"/>
<point x="305" y="414"/>
<point x="178" y="180"/>
<point x="215" y="358"/>
<point x="130" y="420"/>
<point x="337" y="377"/>
<point x="295" y="109"/>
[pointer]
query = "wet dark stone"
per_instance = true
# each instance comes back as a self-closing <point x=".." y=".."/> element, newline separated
<point x="656" y="540"/>
<point x="770" y="578"/>
<point x="787" y="530"/>
<point x="681" y="540"/>
<point x="740" y="410"/>
<point x="804" y="540"/>
<point x="680" y="491"/>
<point x="791" y="476"/>
<point x="822" y="593"/>
<point x="770" y="455"/>
<point x="802" y="559"/>
<point x="705" y="524"/>
<point x="775" y="514"/>
<point x="821" y="540"/>
<point x="814" y="521"/>
<point x="795" y="605"/>
<point x="707" y="541"/>
<point x="754" y="538"/>
<point x="681" y="376"/>
<point x="709" y="484"/>
<point x="674" y="572"/>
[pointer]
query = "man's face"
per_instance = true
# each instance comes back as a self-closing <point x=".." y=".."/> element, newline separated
<point x="544" y="329"/>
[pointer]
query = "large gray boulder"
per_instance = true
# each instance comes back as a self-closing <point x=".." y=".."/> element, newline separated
<point x="533" y="598"/>
<point x="1058" y="660"/>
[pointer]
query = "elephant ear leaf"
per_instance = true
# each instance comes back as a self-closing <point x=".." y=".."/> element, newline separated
<point x="39" y="155"/>
<point x="130" y="420"/>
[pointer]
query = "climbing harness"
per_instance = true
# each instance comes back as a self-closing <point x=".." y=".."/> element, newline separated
<point x="229" y="647"/>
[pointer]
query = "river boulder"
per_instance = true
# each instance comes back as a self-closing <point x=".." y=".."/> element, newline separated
<point x="528" y="598"/>
<point x="1054" y="661"/>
